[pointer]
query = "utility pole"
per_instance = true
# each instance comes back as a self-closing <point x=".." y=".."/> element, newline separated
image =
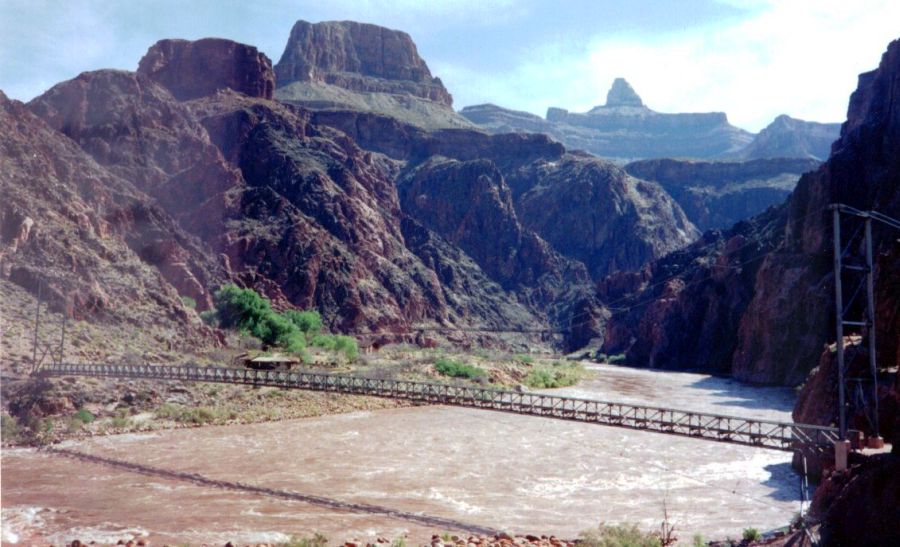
<point x="37" y="323"/>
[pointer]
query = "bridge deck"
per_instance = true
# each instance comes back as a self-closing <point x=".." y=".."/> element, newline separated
<point x="714" y="427"/>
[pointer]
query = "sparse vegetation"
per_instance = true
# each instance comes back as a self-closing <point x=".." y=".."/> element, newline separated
<point x="618" y="359"/>
<point x="189" y="302"/>
<point x="9" y="429"/>
<point x="699" y="541"/>
<point x="556" y="375"/>
<point x="752" y="534"/>
<point x="455" y="369"/>
<point x="623" y="535"/>
<point x="525" y="358"/>
<point x="318" y="540"/>
<point x="83" y="416"/>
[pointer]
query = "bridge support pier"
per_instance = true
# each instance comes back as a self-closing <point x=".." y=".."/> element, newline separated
<point x="841" y="452"/>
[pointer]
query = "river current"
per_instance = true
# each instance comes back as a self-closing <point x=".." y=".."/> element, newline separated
<point x="413" y="471"/>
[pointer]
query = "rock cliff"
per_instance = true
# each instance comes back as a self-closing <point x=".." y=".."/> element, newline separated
<point x="95" y="246"/>
<point x="376" y="222"/>
<point x="623" y="129"/>
<point x="788" y="137"/>
<point x="784" y="314"/>
<point x="196" y="69"/>
<point x="363" y="67"/>
<point x="720" y="194"/>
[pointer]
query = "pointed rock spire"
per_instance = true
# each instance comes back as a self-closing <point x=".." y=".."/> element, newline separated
<point x="622" y="94"/>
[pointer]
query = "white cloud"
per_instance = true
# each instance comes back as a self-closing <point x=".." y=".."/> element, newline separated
<point x="801" y="58"/>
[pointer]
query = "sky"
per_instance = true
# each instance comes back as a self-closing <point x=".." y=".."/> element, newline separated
<point x="753" y="59"/>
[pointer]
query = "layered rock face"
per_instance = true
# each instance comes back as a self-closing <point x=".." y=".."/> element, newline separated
<point x="788" y="137"/>
<point x="785" y="315"/>
<point x="197" y="69"/>
<point x="358" y="57"/>
<point x="95" y="246"/>
<point x="624" y="128"/>
<point x="344" y="65"/>
<point x="304" y="205"/>
<point x="720" y="194"/>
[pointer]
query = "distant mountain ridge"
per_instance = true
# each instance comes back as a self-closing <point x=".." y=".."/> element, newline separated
<point x="625" y="129"/>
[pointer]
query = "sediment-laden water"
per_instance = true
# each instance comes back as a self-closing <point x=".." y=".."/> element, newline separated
<point x="411" y="470"/>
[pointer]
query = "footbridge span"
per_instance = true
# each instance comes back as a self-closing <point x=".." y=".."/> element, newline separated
<point x="712" y="427"/>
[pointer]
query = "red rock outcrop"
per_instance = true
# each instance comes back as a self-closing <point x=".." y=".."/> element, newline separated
<point x="83" y="247"/>
<point x="784" y="314"/>
<point x="358" y="57"/>
<point x="202" y="67"/>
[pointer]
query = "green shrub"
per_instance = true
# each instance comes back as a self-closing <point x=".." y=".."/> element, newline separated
<point x="188" y="302"/>
<point x="557" y="375"/>
<point x="458" y="370"/>
<point x="9" y="429"/>
<point x="318" y="540"/>
<point x="210" y="317"/>
<point x="624" y="535"/>
<point x="602" y="357"/>
<point x="618" y="359"/>
<point x="752" y="534"/>
<point x="308" y="321"/>
<point x="699" y="541"/>
<point x="239" y="308"/>
<point x="324" y="341"/>
<point x="83" y="416"/>
<point x="524" y="358"/>
<point x="347" y="344"/>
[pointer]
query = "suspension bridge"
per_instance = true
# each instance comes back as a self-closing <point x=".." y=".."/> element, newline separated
<point x="711" y="427"/>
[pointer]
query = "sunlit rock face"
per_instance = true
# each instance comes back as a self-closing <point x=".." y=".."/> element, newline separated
<point x="772" y="275"/>
<point x="196" y="69"/>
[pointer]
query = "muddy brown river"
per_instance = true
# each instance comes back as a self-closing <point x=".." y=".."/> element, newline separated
<point x="413" y="471"/>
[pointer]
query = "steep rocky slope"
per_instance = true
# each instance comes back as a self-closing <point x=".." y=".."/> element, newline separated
<point x="554" y="193"/>
<point x="784" y="315"/>
<point x="623" y="129"/>
<point x="89" y="241"/>
<point x="358" y="66"/>
<point x="788" y="137"/>
<point x="377" y="223"/>
<point x="720" y="194"/>
<point x="294" y="209"/>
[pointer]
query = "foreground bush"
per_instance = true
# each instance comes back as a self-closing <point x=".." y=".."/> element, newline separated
<point x="458" y="370"/>
<point x="623" y="535"/>
<point x="557" y="375"/>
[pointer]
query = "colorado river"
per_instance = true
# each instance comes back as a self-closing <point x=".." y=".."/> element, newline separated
<point x="411" y="470"/>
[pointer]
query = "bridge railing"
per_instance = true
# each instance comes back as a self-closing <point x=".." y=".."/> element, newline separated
<point x="723" y="428"/>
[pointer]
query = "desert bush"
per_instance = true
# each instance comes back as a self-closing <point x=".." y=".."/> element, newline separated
<point x="318" y="540"/>
<point x="623" y="535"/>
<point x="618" y="359"/>
<point x="83" y="416"/>
<point x="347" y="345"/>
<point x="557" y="375"/>
<point x="189" y="302"/>
<point x="752" y="534"/>
<point x="455" y="369"/>
<point x="308" y="321"/>
<point x="324" y="341"/>
<point x="9" y="429"/>
<point x="525" y="358"/>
